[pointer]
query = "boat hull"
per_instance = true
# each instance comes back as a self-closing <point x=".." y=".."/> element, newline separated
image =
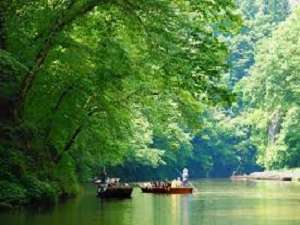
<point x="116" y="192"/>
<point x="160" y="190"/>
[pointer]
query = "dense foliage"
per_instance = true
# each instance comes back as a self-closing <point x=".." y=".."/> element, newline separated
<point x="90" y="83"/>
<point x="142" y="88"/>
<point x="271" y="94"/>
<point x="260" y="17"/>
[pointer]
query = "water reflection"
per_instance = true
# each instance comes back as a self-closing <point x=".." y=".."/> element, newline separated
<point x="218" y="203"/>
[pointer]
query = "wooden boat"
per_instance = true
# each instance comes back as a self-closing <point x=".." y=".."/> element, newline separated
<point x="113" y="188"/>
<point x="115" y="192"/>
<point x="167" y="190"/>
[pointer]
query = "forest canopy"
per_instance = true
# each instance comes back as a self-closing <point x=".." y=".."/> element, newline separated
<point x="91" y="83"/>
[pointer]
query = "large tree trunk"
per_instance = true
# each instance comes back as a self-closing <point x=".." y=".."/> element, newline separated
<point x="55" y="109"/>
<point x="71" y="141"/>
<point x="274" y="127"/>
<point x="3" y="7"/>
<point x="5" y="105"/>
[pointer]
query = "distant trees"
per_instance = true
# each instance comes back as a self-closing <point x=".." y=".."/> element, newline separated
<point x="234" y="139"/>
<point x="272" y="89"/>
<point x="261" y="18"/>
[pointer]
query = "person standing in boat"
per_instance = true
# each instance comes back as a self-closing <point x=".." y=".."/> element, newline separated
<point x="102" y="186"/>
<point x="103" y="176"/>
<point x="185" y="177"/>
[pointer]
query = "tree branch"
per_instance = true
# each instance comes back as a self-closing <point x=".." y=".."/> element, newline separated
<point x="73" y="137"/>
<point x="47" y="44"/>
<point x="54" y="110"/>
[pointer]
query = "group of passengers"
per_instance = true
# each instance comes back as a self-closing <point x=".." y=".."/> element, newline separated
<point x="164" y="184"/>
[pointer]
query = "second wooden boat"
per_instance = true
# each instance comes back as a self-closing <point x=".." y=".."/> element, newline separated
<point x="167" y="190"/>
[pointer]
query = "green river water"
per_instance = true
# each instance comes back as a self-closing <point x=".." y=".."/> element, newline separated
<point x="217" y="202"/>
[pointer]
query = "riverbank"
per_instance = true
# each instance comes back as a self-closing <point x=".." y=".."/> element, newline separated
<point x="277" y="175"/>
<point x="30" y="192"/>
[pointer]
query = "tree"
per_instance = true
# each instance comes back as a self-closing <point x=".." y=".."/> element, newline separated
<point x="86" y="75"/>
<point x="272" y="90"/>
<point x="261" y="18"/>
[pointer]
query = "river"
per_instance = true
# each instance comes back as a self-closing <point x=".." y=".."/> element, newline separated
<point x="217" y="202"/>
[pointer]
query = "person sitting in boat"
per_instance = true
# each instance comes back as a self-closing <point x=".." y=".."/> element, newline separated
<point x="176" y="183"/>
<point x="165" y="184"/>
<point x="173" y="183"/>
<point x="114" y="182"/>
<point x="169" y="184"/>
<point x="147" y="185"/>
<point x="179" y="183"/>
<point x="162" y="184"/>
<point x="158" y="184"/>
